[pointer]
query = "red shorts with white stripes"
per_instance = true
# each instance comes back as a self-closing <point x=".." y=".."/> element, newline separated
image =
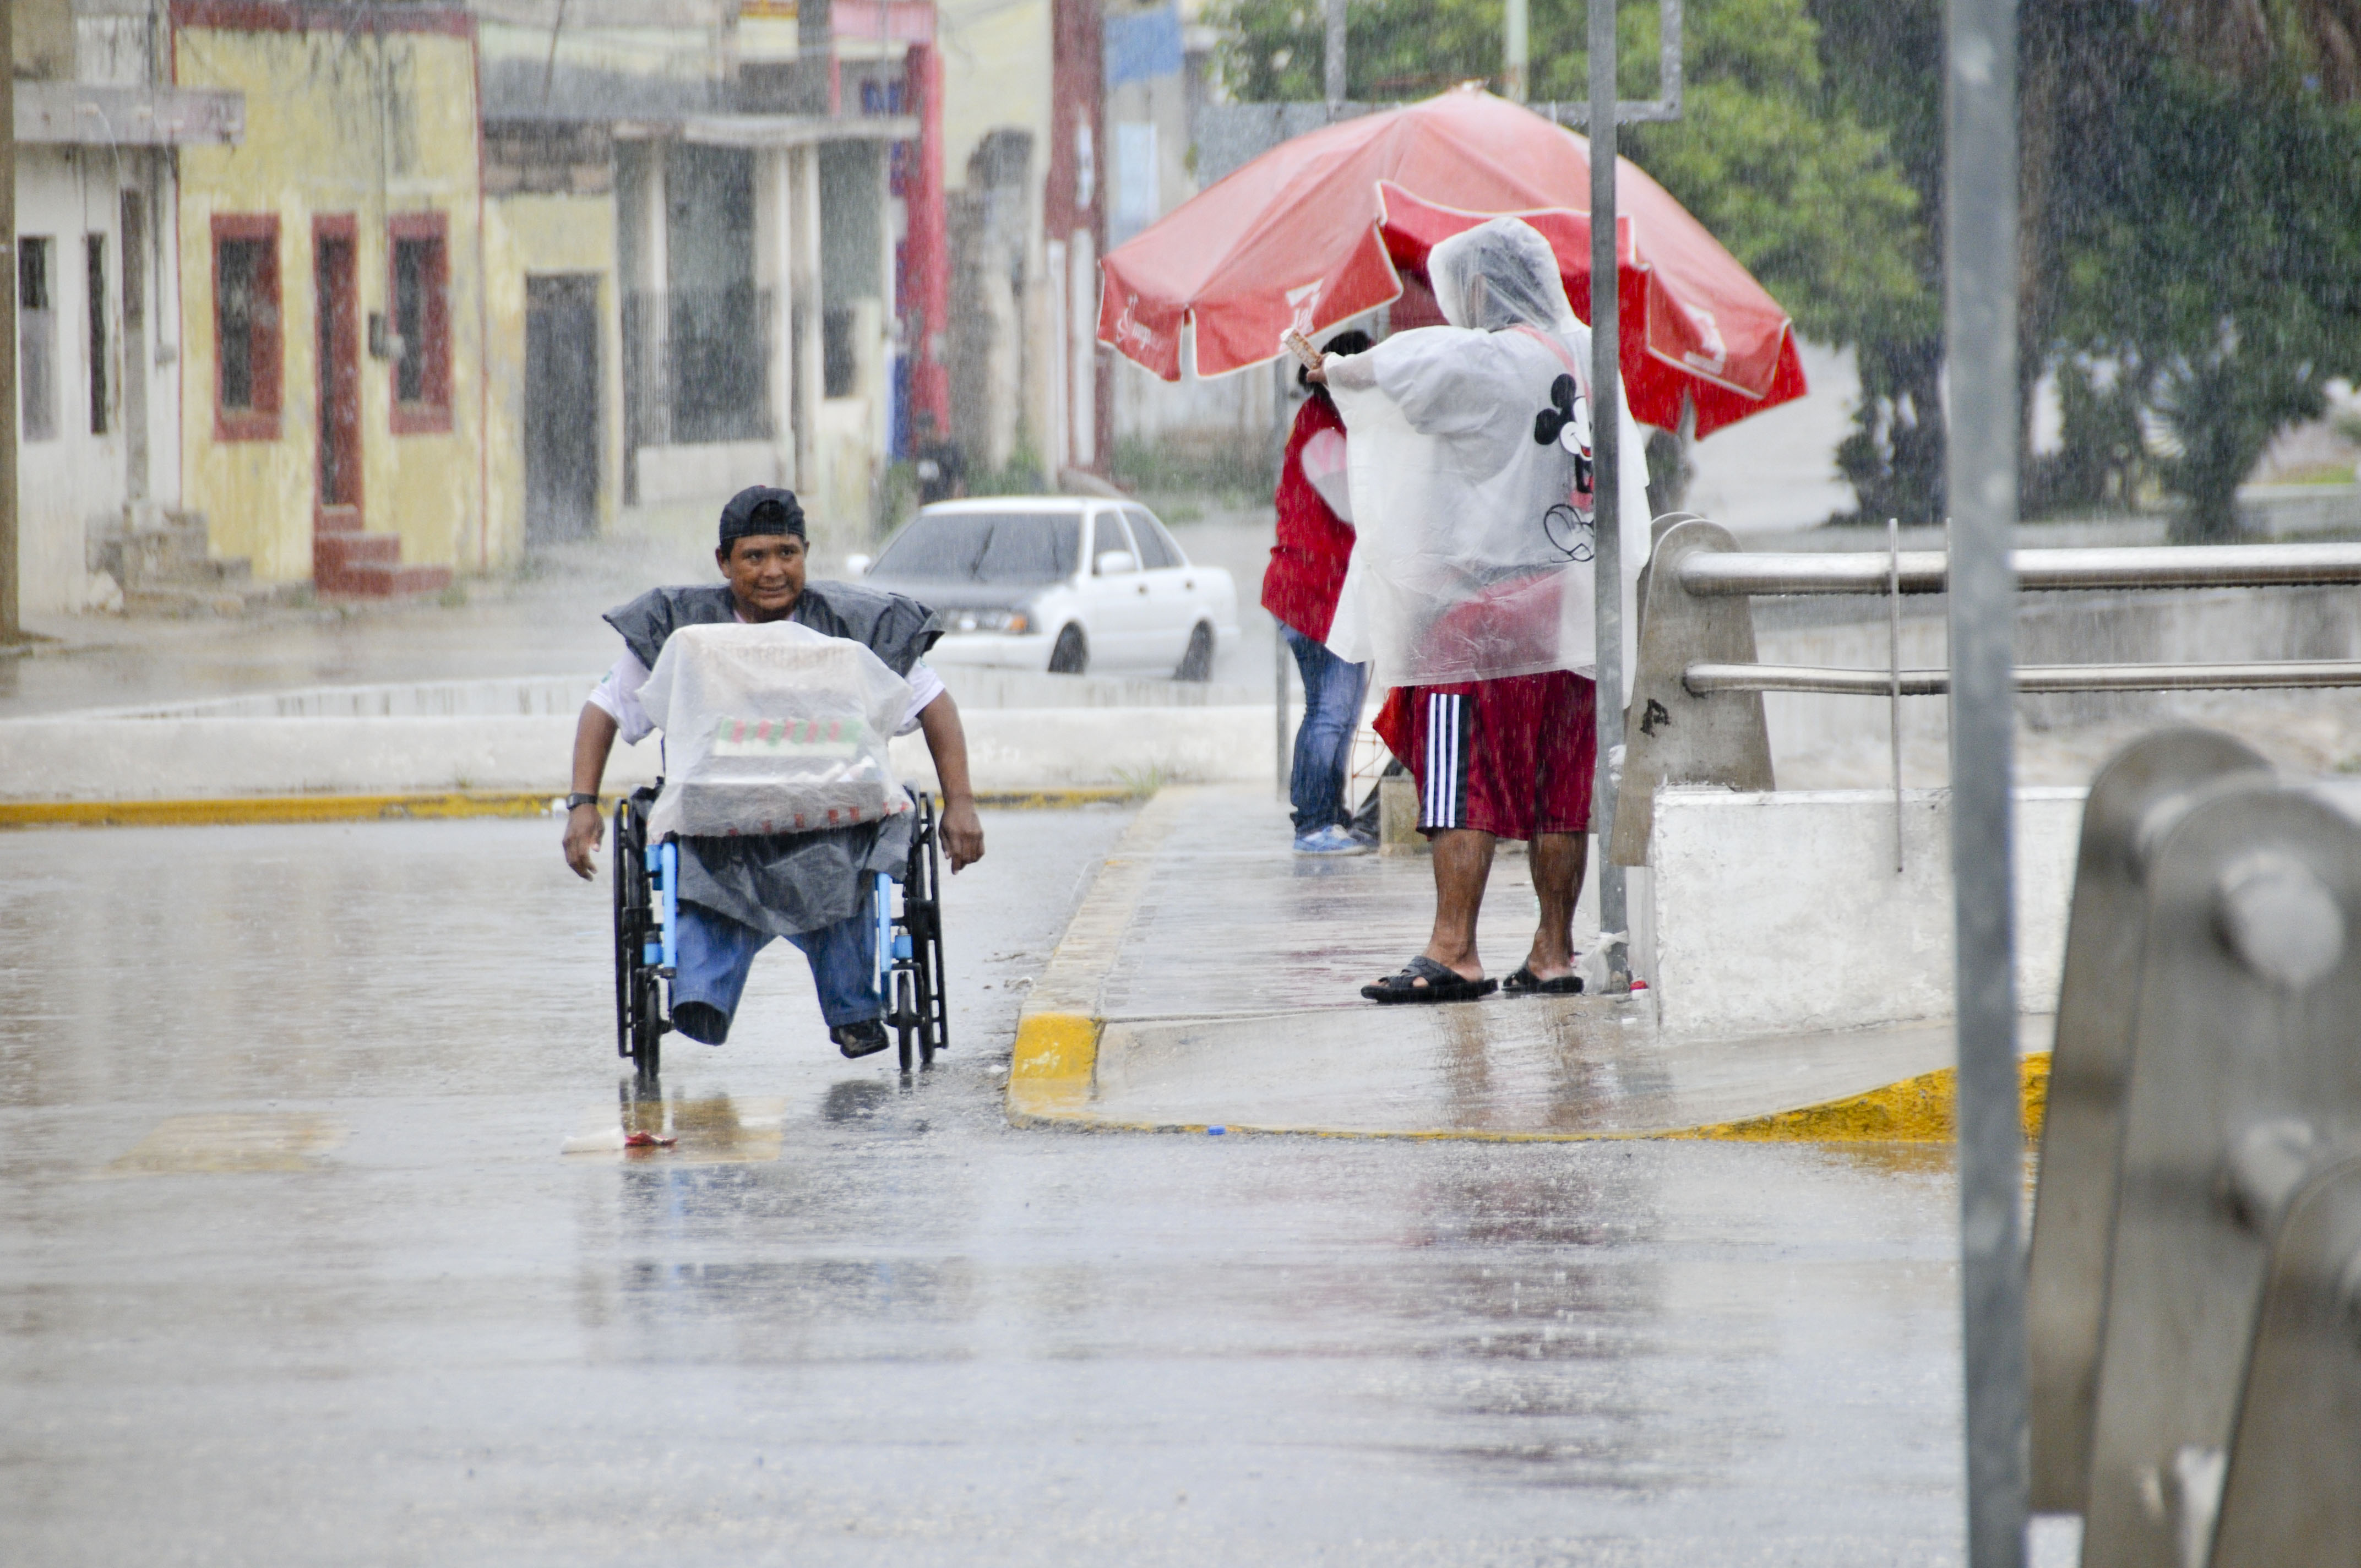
<point x="1513" y="757"/>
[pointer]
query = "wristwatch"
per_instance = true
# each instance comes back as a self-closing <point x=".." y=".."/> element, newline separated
<point x="577" y="799"/>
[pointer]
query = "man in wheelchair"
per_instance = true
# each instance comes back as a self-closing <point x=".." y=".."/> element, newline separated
<point x="736" y="894"/>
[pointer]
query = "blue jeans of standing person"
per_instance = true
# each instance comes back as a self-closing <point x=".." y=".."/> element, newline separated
<point x="713" y="954"/>
<point x="1332" y="690"/>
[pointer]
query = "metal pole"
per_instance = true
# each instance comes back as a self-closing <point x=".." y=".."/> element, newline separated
<point x="1893" y="671"/>
<point x="1334" y="61"/>
<point x="1980" y="263"/>
<point x="1606" y="433"/>
<point x="12" y="629"/>
<point x="1516" y="52"/>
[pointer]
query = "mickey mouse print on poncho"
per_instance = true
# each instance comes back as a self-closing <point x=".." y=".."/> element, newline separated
<point x="1566" y="422"/>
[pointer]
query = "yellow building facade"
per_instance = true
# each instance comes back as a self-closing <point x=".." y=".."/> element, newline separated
<point x="335" y="317"/>
<point x="554" y="397"/>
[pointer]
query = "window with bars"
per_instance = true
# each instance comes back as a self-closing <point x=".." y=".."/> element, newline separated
<point x="36" y="339"/>
<point x="246" y="328"/>
<point x="421" y="284"/>
<point x="94" y="258"/>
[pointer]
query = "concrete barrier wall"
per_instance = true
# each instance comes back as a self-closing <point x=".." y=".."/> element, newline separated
<point x="83" y="758"/>
<point x="1772" y="914"/>
<point x="526" y="695"/>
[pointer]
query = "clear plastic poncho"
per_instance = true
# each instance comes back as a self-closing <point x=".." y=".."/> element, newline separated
<point x="773" y="729"/>
<point x="1468" y="457"/>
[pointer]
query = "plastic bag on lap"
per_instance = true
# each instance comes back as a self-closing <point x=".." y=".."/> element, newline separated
<point x="773" y="729"/>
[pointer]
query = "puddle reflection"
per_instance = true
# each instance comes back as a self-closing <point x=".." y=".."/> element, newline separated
<point x="658" y="1126"/>
<point x="1540" y="1313"/>
<point x="723" y="1244"/>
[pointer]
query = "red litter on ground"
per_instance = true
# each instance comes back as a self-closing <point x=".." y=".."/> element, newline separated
<point x="648" y="1141"/>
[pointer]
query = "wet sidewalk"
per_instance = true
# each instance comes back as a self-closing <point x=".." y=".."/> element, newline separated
<point x="1211" y="980"/>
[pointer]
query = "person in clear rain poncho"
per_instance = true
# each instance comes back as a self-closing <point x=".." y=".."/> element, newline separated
<point x="1471" y="585"/>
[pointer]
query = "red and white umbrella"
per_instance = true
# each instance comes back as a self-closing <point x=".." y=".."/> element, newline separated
<point x="1330" y="224"/>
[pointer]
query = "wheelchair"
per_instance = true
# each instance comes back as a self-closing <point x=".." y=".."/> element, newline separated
<point x="909" y="939"/>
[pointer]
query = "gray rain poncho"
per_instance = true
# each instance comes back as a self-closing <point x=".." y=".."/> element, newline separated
<point x="1469" y="461"/>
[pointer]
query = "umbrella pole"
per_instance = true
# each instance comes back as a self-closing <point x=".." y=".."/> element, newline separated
<point x="1606" y="441"/>
<point x="1333" y="67"/>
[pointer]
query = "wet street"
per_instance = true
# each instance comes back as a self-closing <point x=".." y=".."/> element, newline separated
<point x="295" y="1267"/>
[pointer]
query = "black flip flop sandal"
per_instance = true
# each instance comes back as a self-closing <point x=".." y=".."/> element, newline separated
<point x="1522" y="984"/>
<point x="1423" y="980"/>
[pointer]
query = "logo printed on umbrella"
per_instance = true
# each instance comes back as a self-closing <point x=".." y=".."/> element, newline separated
<point x="1714" y="357"/>
<point x="1300" y="302"/>
<point x="1127" y="328"/>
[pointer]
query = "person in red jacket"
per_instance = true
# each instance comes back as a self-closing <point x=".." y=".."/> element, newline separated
<point x="1300" y="590"/>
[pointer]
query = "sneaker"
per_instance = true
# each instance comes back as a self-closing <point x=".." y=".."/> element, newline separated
<point x="865" y="1039"/>
<point x="1330" y="841"/>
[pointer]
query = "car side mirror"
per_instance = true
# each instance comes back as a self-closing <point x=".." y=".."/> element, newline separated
<point x="1116" y="562"/>
<point x="858" y="565"/>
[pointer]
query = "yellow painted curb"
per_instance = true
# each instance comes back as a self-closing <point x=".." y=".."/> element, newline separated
<point x="1049" y="1071"/>
<point x="232" y="810"/>
<point x="240" y="809"/>
<point x="1055" y="1048"/>
<point x="1915" y="1110"/>
<point x="1058" y="799"/>
<point x="1921" y="1110"/>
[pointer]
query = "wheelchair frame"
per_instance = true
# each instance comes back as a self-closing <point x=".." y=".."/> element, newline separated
<point x="909" y="939"/>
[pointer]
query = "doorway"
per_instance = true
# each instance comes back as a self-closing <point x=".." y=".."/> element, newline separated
<point x="337" y="326"/>
<point x="561" y="407"/>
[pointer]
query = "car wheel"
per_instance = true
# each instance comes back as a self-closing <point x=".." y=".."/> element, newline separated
<point x="1197" y="663"/>
<point x="1072" y="655"/>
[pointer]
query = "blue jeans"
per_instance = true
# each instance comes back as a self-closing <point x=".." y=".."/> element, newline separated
<point x="1323" y="746"/>
<point x="715" y="952"/>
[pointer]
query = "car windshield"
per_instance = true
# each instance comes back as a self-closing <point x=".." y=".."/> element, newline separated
<point x="984" y="547"/>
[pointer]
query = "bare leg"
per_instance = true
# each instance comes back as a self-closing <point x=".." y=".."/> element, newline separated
<point x="1558" y="860"/>
<point x="1462" y="863"/>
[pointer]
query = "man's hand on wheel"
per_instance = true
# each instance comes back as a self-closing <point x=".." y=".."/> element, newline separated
<point x="583" y="830"/>
<point x="962" y="834"/>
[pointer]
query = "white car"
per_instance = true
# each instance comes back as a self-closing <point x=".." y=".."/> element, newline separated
<point x="1059" y="584"/>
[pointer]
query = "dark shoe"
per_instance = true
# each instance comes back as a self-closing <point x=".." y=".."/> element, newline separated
<point x="1423" y="980"/>
<point x="1522" y="984"/>
<point x="865" y="1039"/>
<point x="701" y="1020"/>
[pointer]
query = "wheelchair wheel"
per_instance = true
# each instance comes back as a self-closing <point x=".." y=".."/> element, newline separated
<point x="903" y="1014"/>
<point x="915" y="1005"/>
<point x="922" y="917"/>
<point x="639" y="1022"/>
<point x="934" y="992"/>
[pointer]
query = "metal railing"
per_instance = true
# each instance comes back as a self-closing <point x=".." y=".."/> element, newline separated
<point x="2030" y="678"/>
<point x="1696" y="710"/>
<point x="2037" y="571"/>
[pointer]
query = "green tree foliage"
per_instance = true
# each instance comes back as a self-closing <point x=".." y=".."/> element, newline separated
<point x="2189" y="268"/>
<point x="1800" y="192"/>
<point x="1882" y="67"/>
<point x="2211" y="267"/>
